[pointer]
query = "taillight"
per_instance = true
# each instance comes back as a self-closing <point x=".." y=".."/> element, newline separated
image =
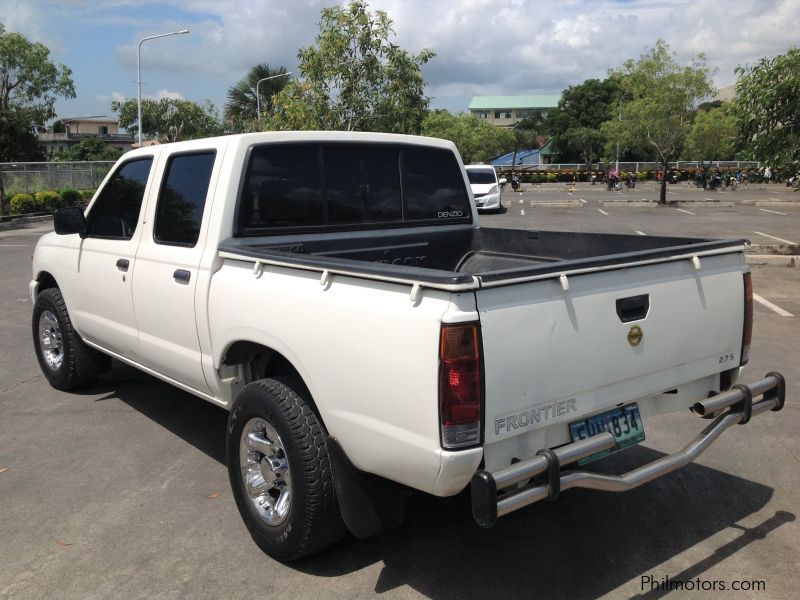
<point x="460" y="385"/>
<point x="747" y="331"/>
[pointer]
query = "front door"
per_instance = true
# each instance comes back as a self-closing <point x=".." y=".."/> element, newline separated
<point x="100" y="300"/>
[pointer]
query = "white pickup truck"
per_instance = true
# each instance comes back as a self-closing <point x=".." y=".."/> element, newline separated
<point x="336" y="293"/>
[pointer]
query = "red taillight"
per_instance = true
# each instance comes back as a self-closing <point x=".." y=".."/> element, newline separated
<point x="460" y="385"/>
<point x="747" y="331"/>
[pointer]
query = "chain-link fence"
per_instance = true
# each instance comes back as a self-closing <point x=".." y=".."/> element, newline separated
<point x="32" y="177"/>
<point x="636" y="167"/>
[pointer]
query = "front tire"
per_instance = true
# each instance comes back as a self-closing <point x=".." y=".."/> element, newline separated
<point x="67" y="363"/>
<point x="279" y="470"/>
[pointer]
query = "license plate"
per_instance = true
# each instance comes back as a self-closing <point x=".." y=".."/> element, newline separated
<point x="624" y="423"/>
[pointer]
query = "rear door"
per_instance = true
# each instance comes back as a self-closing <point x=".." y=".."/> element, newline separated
<point x="613" y="337"/>
<point x="167" y="268"/>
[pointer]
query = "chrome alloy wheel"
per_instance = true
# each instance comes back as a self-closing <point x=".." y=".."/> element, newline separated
<point x="265" y="471"/>
<point x="50" y="342"/>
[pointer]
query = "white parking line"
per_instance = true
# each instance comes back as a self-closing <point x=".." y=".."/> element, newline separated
<point x="688" y="212"/>
<point x="775" y="238"/>
<point x="640" y="232"/>
<point x="709" y="199"/>
<point x="602" y="211"/>
<point x="775" y="212"/>
<point x="775" y="199"/>
<point x="584" y="201"/>
<point x="675" y="193"/>
<point x="771" y="306"/>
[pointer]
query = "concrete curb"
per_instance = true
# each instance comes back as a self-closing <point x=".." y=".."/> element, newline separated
<point x="16" y="223"/>
<point x="701" y="204"/>
<point x="772" y="260"/>
<point x="776" y="203"/>
<point x="630" y="204"/>
<point x="556" y="203"/>
<point x="771" y="249"/>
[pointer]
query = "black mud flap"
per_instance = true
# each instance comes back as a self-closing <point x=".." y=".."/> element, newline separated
<point x="369" y="504"/>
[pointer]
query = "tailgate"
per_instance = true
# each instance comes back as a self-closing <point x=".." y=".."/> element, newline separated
<point x="553" y="355"/>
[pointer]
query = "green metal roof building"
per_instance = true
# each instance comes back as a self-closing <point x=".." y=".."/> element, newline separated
<point x="506" y="111"/>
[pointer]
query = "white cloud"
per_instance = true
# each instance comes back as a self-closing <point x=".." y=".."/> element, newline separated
<point x="118" y="97"/>
<point x="161" y="94"/>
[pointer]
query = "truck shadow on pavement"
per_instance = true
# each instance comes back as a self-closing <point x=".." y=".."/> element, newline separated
<point x="584" y="545"/>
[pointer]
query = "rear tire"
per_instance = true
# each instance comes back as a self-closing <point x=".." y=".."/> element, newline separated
<point x="66" y="361"/>
<point x="279" y="470"/>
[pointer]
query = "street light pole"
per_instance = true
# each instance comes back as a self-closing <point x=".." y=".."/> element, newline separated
<point x="258" y="97"/>
<point x="139" y="74"/>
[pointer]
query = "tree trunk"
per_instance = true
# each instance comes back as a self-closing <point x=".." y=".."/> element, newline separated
<point x="3" y="202"/>
<point x="513" y="161"/>
<point x="662" y="199"/>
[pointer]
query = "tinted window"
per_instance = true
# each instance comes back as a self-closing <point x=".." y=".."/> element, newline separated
<point x="433" y="185"/>
<point x="283" y="187"/>
<point x="362" y="185"/>
<point x="115" y="213"/>
<point x="335" y="184"/>
<point x="183" y="198"/>
<point x="481" y="176"/>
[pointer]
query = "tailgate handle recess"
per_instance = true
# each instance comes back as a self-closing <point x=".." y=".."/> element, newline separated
<point x="633" y="308"/>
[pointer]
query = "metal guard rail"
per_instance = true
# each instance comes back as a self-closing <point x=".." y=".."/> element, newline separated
<point x="488" y="505"/>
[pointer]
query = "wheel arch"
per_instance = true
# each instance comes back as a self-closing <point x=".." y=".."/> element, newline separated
<point x="259" y="361"/>
<point x="45" y="281"/>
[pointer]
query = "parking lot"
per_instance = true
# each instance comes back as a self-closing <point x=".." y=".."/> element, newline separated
<point x="122" y="490"/>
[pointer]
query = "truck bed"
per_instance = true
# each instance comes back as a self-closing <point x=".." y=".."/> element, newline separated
<point x="456" y="256"/>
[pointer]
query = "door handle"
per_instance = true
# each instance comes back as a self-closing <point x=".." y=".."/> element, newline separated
<point x="182" y="276"/>
<point x="123" y="264"/>
<point x="633" y="308"/>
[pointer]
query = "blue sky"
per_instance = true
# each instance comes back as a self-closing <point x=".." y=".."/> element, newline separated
<point x="484" y="47"/>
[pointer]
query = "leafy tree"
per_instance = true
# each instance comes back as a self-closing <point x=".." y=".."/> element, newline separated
<point x="575" y="124"/>
<point x="476" y="140"/>
<point x="354" y="78"/>
<point x="241" y="107"/>
<point x="89" y="148"/>
<point x="712" y="136"/>
<point x="767" y="106"/>
<point x="169" y="119"/>
<point x="29" y="86"/>
<point x="659" y="97"/>
<point x="526" y="135"/>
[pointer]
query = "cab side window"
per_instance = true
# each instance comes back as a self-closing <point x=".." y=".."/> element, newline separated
<point x="182" y="199"/>
<point x="115" y="213"/>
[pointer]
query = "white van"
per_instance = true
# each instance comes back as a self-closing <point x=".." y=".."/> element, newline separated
<point x="485" y="187"/>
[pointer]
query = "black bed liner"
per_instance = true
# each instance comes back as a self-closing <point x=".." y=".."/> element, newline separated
<point x="454" y="257"/>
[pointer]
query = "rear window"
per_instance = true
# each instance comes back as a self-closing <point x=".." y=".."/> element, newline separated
<point x="481" y="176"/>
<point x="348" y="185"/>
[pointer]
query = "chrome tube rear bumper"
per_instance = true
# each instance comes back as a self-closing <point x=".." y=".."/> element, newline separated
<point x="488" y="504"/>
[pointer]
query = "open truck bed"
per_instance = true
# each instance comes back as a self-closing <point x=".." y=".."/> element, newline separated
<point x="468" y="257"/>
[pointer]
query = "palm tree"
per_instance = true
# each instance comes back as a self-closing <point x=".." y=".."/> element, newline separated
<point x="240" y="109"/>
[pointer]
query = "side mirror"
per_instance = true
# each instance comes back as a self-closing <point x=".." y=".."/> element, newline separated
<point x="503" y="181"/>
<point x="70" y="220"/>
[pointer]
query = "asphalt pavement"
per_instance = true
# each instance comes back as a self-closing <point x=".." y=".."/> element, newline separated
<point x="122" y="491"/>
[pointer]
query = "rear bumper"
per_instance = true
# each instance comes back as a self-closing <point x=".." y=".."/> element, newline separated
<point x="489" y="501"/>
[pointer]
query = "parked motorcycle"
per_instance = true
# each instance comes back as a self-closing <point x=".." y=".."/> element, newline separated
<point x="716" y="181"/>
<point x="700" y="180"/>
